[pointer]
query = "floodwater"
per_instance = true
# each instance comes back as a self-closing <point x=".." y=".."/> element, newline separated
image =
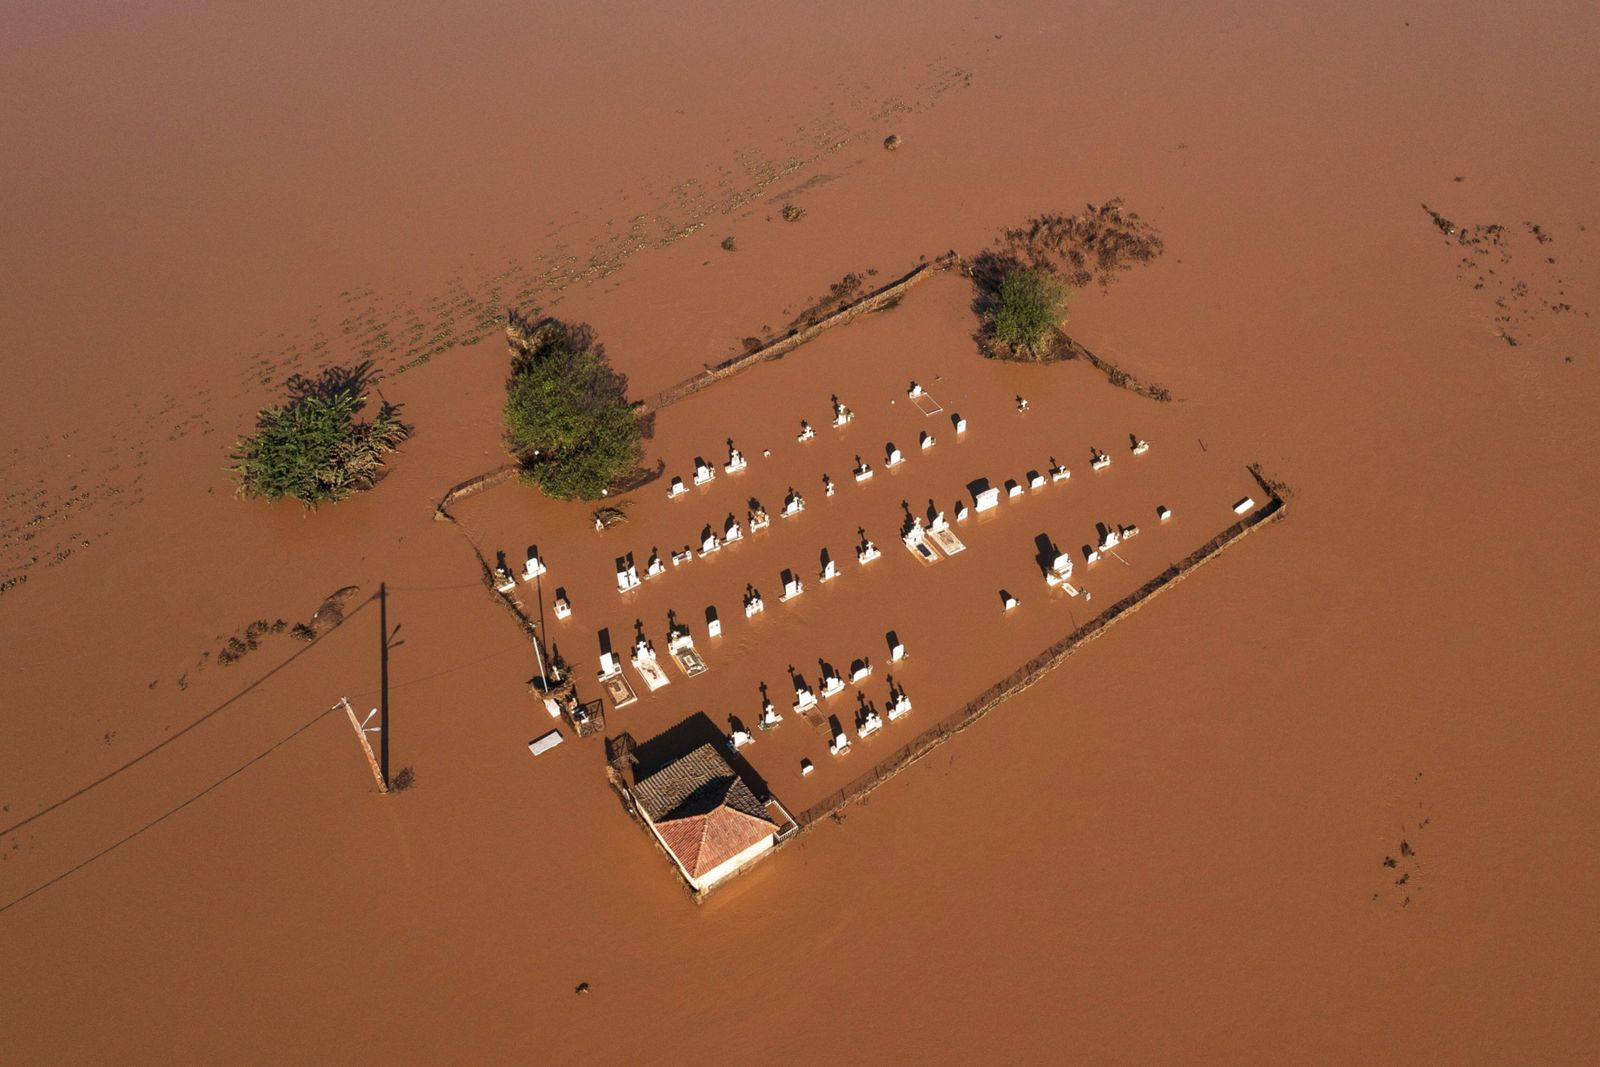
<point x="1173" y="848"/>
<point x="947" y="614"/>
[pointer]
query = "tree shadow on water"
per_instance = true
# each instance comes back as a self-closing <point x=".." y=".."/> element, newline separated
<point x="331" y="382"/>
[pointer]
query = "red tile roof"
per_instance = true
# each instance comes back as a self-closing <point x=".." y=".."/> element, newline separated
<point x="703" y="810"/>
<point x="704" y="842"/>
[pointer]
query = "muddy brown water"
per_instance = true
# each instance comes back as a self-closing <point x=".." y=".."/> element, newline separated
<point x="948" y="614"/>
<point x="1172" y="848"/>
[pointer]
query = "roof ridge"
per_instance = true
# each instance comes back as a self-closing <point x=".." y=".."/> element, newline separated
<point x="762" y="819"/>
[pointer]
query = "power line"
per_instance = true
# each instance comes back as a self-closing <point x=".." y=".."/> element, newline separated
<point x="164" y="742"/>
<point x="434" y="588"/>
<point x="232" y="774"/>
<point x="70" y="871"/>
<point x="520" y="646"/>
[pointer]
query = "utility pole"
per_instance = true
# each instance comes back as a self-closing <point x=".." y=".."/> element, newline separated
<point x="383" y="700"/>
<point x="379" y="761"/>
<point x="538" y="650"/>
<point x="362" y="730"/>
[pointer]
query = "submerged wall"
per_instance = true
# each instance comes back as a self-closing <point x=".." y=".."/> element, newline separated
<point x="1048" y="660"/>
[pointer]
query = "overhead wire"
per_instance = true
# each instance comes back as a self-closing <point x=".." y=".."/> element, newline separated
<point x="252" y="761"/>
<point x="164" y="742"/>
<point x="103" y="779"/>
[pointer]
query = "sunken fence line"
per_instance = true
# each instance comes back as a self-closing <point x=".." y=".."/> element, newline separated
<point x="441" y="511"/>
<point x="1067" y="348"/>
<point x="877" y="300"/>
<point x="1035" y="669"/>
<point x="492" y="582"/>
<point x="1115" y="374"/>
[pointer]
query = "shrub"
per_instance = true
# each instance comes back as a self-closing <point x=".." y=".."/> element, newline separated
<point x="1028" y="306"/>
<point x="312" y="448"/>
<point x="793" y="213"/>
<point x="729" y="245"/>
<point x="567" y="416"/>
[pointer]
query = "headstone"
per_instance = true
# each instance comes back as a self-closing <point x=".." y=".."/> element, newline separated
<point x="534" y="567"/>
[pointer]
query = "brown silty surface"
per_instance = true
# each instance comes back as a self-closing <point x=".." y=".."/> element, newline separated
<point x="1173" y="848"/>
<point x="948" y="614"/>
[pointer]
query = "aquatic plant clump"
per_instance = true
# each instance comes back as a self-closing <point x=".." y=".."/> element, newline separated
<point x="567" y="417"/>
<point x="313" y="449"/>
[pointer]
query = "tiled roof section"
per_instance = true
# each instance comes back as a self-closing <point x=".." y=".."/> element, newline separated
<point x="703" y="810"/>
<point x="705" y="842"/>
<point x="677" y="783"/>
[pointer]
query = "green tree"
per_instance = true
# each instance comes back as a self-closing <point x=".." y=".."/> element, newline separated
<point x="312" y="448"/>
<point x="567" y="416"/>
<point x="1030" y="303"/>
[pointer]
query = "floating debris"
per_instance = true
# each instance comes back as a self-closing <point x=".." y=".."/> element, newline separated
<point x="1446" y="227"/>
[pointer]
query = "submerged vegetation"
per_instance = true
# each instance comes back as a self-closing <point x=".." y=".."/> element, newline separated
<point x="248" y="640"/>
<point x="1091" y="248"/>
<point x="567" y="417"/>
<point x="312" y="448"/>
<point x="611" y="515"/>
<point x="1021" y="285"/>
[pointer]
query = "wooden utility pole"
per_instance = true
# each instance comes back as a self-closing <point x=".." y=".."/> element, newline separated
<point x="383" y="690"/>
<point x="378" y="761"/>
<point x="362" y="729"/>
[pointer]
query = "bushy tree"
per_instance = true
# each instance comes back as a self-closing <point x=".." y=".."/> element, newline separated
<point x="312" y="448"/>
<point x="1029" y="305"/>
<point x="567" y="414"/>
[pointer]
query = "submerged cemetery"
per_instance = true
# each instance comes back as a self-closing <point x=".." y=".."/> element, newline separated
<point x="750" y="595"/>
